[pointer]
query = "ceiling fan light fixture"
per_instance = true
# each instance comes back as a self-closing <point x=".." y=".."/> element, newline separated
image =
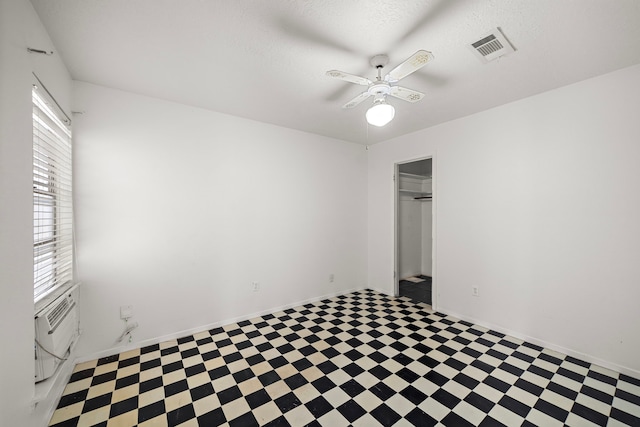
<point x="380" y="113"/>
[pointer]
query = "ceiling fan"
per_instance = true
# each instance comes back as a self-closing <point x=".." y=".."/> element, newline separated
<point x="382" y="113"/>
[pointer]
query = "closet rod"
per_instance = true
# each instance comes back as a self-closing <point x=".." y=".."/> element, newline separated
<point x="422" y="198"/>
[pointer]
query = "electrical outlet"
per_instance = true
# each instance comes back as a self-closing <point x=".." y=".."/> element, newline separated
<point x="475" y="291"/>
<point x="332" y="278"/>
<point x="255" y="286"/>
<point x="126" y="311"/>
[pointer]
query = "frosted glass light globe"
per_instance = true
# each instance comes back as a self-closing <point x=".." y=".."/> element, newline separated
<point x="380" y="114"/>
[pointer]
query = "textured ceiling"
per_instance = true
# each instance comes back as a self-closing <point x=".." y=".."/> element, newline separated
<point x="266" y="60"/>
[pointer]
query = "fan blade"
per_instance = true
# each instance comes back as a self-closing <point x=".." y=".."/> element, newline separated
<point x="349" y="77"/>
<point x="306" y="33"/>
<point x="406" y="94"/>
<point x="435" y="12"/>
<point x="413" y="63"/>
<point x="357" y="100"/>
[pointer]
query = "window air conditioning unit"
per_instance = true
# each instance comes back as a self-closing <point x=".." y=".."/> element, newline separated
<point x="56" y="331"/>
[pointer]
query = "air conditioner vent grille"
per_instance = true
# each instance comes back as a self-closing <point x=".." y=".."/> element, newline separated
<point x="55" y="315"/>
<point x="491" y="46"/>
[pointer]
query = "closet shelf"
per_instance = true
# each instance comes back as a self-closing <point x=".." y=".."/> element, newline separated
<point x="410" y="175"/>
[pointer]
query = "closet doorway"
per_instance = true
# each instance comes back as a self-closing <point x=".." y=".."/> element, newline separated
<point x="414" y="230"/>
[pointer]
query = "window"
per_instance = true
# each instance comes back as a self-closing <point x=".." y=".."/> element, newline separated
<point x="52" y="197"/>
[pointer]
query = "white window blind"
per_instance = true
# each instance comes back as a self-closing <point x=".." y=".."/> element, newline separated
<point x="52" y="197"/>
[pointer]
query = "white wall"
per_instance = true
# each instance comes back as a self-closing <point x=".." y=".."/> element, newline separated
<point x="414" y="230"/>
<point x="427" y="231"/>
<point x="179" y="209"/>
<point x="537" y="203"/>
<point x="409" y="229"/>
<point x="20" y="28"/>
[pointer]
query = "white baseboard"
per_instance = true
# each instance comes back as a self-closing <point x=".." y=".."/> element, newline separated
<point x="191" y="331"/>
<point x="546" y="344"/>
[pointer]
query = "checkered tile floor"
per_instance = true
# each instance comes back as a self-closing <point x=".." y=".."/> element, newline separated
<point x="362" y="359"/>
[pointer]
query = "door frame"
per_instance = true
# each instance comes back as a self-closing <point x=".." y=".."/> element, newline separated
<point x="396" y="221"/>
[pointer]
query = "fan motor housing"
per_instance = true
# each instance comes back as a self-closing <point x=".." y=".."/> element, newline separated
<point x="379" y="88"/>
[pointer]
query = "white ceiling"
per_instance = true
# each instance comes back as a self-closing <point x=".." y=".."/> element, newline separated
<point x="266" y="60"/>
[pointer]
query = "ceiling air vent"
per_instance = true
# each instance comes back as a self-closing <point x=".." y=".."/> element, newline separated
<point x="491" y="46"/>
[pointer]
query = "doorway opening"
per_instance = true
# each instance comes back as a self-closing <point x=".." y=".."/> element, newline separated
<point x="414" y="225"/>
